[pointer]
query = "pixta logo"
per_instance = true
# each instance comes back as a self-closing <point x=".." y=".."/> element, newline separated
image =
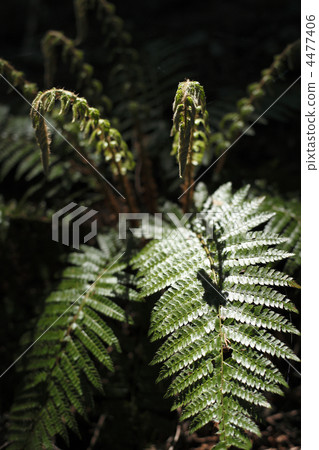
<point x="154" y="227"/>
<point x="64" y="219"/>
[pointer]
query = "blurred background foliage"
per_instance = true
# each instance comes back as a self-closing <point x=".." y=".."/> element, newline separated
<point x="223" y="45"/>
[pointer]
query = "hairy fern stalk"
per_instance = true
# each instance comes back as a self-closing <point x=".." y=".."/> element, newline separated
<point x="216" y="311"/>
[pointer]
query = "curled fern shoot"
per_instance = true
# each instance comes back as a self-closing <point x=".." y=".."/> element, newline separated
<point x="124" y="74"/>
<point x="234" y="123"/>
<point x="17" y="79"/>
<point x="55" y="43"/>
<point x="70" y="54"/>
<point x="190" y="125"/>
<point x="217" y="309"/>
<point x="108" y="140"/>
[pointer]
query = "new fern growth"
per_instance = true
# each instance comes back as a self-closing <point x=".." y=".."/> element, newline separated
<point x="190" y="124"/>
<point x="190" y="130"/>
<point x="234" y="123"/>
<point x="16" y="78"/>
<point x="108" y="140"/>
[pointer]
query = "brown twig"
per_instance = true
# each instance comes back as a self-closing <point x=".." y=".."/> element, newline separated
<point x="188" y="188"/>
<point x="128" y="190"/>
<point x="144" y="169"/>
<point x="110" y="200"/>
<point x="97" y="431"/>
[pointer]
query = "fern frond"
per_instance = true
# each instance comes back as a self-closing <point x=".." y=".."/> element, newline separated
<point x="287" y="222"/>
<point x="233" y="124"/>
<point x="108" y="140"/>
<point x="17" y="79"/>
<point x="217" y="314"/>
<point x="71" y="336"/>
<point x="124" y="77"/>
<point x="55" y="43"/>
<point x="133" y="102"/>
<point x="190" y="124"/>
<point x="18" y="159"/>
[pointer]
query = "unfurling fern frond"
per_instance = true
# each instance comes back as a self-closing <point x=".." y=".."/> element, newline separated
<point x="55" y="43"/>
<point x="217" y="313"/>
<point x="107" y="139"/>
<point x="233" y="124"/>
<point x="70" y="55"/>
<point x="16" y="78"/>
<point x="18" y="157"/>
<point x="71" y="334"/>
<point x="124" y="75"/>
<point x="190" y="124"/>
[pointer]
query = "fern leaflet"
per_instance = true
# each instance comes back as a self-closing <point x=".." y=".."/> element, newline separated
<point x="71" y="337"/>
<point x="217" y="313"/>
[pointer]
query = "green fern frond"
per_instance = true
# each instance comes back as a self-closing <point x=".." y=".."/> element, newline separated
<point x="124" y="77"/>
<point x="287" y="222"/>
<point x="71" y="336"/>
<point x="19" y="159"/>
<point x="233" y="124"/>
<point x="55" y="43"/>
<point x="108" y="140"/>
<point x="217" y="313"/>
<point x="16" y="78"/>
<point x="190" y="124"/>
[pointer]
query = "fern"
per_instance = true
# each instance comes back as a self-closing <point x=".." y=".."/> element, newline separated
<point x="232" y="124"/>
<point x="16" y="78"/>
<point x="55" y="43"/>
<point x="124" y="77"/>
<point x="72" y="333"/>
<point x="190" y="124"/>
<point x="220" y="298"/>
<point x="287" y="222"/>
<point x="217" y="313"/>
<point x="19" y="158"/>
<point x="108" y="140"/>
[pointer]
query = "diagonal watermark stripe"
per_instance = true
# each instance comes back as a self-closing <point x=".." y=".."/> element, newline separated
<point x="243" y="133"/>
<point x="61" y="315"/>
<point x="63" y="137"/>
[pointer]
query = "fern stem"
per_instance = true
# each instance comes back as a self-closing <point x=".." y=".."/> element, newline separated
<point x="209" y="256"/>
<point x="222" y="338"/>
<point x="221" y="333"/>
<point x="144" y="165"/>
<point x="124" y="181"/>
<point x="111" y="201"/>
<point x="188" y="187"/>
<point x="97" y="431"/>
<point x="129" y="193"/>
